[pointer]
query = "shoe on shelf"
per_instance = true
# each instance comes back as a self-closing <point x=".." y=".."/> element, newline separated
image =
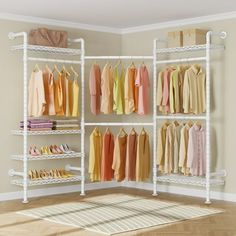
<point x="53" y="150"/>
<point x="59" y="150"/>
<point x="44" y="151"/>
<point x="66" y="148"/>
<point x="33" y="151"/>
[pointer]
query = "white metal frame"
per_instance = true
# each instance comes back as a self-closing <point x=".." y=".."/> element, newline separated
<point x="207" y="181"/>
<point x="25" y="182"/>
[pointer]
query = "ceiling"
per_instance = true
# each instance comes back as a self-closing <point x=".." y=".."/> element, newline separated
<point x="117" y="14"/>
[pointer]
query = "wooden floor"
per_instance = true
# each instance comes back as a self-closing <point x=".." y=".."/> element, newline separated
<point x="12" y="224"/>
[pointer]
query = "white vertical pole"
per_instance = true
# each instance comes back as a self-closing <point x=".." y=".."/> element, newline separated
<point x="154" y="120"/>
<point x="208" y="108"/>
<point x="82" y="120"/>
<point x="25" y="112"/>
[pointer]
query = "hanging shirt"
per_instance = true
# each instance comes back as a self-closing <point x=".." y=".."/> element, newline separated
<point x="119" y="159"/>
<point x="68" y="111"/>
<point x="194" y="90"/>
<point x="118" y="91"/>
<point x="160" y="84"/>
<point x="58" y="96"/>
<point x="161" y="142"/>
<point x="36" y="102"/>
<point x="70" y="95"/>
<point x="95" y="155"/>
<point x="183" y="149"/>
<point x="48" y="81"/>
<point x="107" y="157"/>
<point x="143" y="157"/>
<point x="64" y="77"/>
<point x="196" y="151"/>
<point x="142" y="82"/>
<point x="131" y="91"/>
<point x="107" y="82"/>
<point x="132" y="142"/>
<point x="75" y="110"/>
<point x="95" y="89"/>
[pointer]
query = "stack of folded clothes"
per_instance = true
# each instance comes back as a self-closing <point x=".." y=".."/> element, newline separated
<point x="37" y="125"/>
<point x="66" y="124"/>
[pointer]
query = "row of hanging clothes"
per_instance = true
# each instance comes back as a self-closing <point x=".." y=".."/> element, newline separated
<point x="119" y="90"/>
<point x="124" y="157"/>
<point x="181" y="148"/>
<point x="181" y="89"/>
<point x="53" y="92"/>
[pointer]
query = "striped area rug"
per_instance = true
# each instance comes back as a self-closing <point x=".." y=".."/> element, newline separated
<point x="118" y="213"/>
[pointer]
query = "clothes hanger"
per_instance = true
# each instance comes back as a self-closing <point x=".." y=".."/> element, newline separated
<point x="36" y="68"/>
<point x="75" y="73"/>
<point x="133" y="131"/>
<point x="122" y="132"/>
<point x="65" y="70"/>
<point x="132" y="64"/>
<point x="47" y="68"/>
<point x="143" y="131"/>
<point x="108" y="130"/>
<point x="56" y="69"/>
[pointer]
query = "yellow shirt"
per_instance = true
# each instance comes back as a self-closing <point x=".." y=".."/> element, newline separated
<point x="194" y="90"/>
<point x="118" y="92"/>
<point x="160" y="90"/>
<point x="95" y="155"/>
<point x="75" y="110"/>
<point x="175" y="91"/>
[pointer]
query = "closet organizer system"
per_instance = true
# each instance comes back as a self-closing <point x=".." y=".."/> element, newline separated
<point x="206" y="181"/>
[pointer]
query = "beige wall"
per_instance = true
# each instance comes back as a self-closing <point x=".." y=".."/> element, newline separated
<point x="12" y="94"/>
<point x="223" y="93"/>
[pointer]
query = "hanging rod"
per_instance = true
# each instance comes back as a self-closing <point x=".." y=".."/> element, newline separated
<point x="117" y="124"/>
<point x="118" y="57"/>
<point x="181" y="60"/>
<point x="53" y="60"/>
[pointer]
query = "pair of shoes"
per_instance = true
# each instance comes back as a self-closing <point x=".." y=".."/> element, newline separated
<point x="66" y="149"/>
<point x="34" y="175"/>
<point x="46" y="151"/>
<point x="56" y="150"/>
<point x="33" y="151"/>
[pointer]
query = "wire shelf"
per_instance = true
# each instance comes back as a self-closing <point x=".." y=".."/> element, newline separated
<point x="19" y="182"/>
<point x="189" y="180"/>
<point x="49" y="132"/>
<point x="44" y="49"/>
<point x="47" y="157"/>
<point x="180" y="117"/>
<point x="189" y="48"/>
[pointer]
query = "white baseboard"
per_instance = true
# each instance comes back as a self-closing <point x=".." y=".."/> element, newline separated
<point x="56" y="190"/>
<point x="93" y="186"/>
<point x="231" y="197"/>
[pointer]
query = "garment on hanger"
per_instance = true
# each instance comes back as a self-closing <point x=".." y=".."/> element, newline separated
<point x="107" y="172"/>
<point x="107" y="82"/>
<point x="95" y="89"/>
<point x="196" y="151"/>
<point x="75" y="110"/>
<point x="194" y="90"/>
<point x="64" y="77"/>
<point x="58" y="96"/>
<point x="131" y="91"/>
<point x="143" y="84"/>
<point x="48" y="80"/>
<point x="143" y="157"/>
<point x="132" y="142"/>
<point x="183" y="149"/>
<point x="161" y="142"/>
<point x="119" y="159"/>
<point x="95" y="155"/>
<point x="36" y="102"/>
<point x="118" y="90"/>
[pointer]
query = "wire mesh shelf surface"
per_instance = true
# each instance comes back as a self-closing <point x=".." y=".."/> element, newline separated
<point x="189" y="180"/>
<point x="20" y="182"/>
<point x="44" y="49"/>
<point x="47" y="157"/>
<point x="48" y="132"/>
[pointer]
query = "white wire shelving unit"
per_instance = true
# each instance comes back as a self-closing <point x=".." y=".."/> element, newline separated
<point x="210" y="179"/>
<point x="50" y="55"/>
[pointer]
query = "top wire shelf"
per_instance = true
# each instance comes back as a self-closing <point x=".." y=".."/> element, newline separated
<point x="189" y="48"/>
<point x="51" y="50"/>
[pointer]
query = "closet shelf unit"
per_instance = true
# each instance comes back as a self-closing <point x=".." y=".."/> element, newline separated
<point x="65" y="55"/>
<point x="209" y="179"/>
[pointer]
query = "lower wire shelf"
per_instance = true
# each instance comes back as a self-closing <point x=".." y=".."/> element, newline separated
<point x="47" y="157"/>
<point x="189" y="180"/>
<point x="74" y="178"/>
<point x="47" y="132"/>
